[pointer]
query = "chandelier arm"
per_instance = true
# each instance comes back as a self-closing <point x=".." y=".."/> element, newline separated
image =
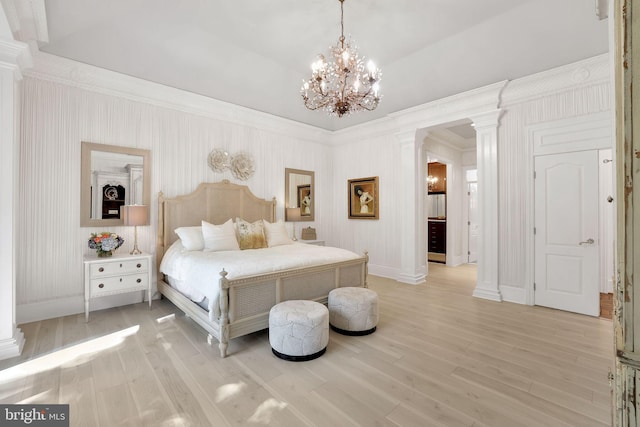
<point x="342" y="23"/>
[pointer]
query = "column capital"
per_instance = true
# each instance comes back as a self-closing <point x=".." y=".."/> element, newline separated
<point x="406" y="137"/>
<point x="486" y="119"/>
<point x="15" y="56"/>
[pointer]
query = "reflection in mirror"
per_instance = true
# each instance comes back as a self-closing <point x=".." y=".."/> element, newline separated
<point x="437" y="206"/>
<point x="299" y="193"/>
<point x="111" y="177"/>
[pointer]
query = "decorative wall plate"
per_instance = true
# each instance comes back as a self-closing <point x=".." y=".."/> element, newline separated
<point x="218" y="160"/>
<point x="242" y="166"/>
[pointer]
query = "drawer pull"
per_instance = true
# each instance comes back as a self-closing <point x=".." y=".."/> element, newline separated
<point x="139" y="265"/>
<point x="139" y="280"/>
<point x="101" y="269"/>
<point x="101" y="285"/>
<point x="121" y="279"/>
<point x="120" y="265"/>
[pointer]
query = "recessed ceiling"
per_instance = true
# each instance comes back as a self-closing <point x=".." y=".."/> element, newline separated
<point x="256" y="53"/>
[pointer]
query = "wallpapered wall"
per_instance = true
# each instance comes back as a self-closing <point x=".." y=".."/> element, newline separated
<point x="513" y="161"/>
<point x="57" y="117"/>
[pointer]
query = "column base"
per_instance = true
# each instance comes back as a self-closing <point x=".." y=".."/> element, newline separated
<point x="12" y="347"/>
<point x="490" y="294"/>
<point x="411" y="279"/>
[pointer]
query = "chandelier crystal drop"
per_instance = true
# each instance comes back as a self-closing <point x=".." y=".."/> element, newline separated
<point x="345" y="85"/>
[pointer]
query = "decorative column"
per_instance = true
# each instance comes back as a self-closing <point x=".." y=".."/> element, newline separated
<point x="486" y="126"/>
<point x="413" y="254"/>
<point x="14" y="56"/>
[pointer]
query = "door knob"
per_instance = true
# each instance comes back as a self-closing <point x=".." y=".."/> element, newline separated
<point x="588" y="242"/>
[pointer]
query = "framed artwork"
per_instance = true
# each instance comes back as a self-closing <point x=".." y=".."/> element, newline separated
<point x="363" y="198"/>
<point x="304" y="199"/>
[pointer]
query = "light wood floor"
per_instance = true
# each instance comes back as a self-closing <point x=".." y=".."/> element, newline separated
<point x="439" y="357"/>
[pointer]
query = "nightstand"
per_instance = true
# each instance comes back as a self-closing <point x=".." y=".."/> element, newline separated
<point x="114" y="275"/>
<point x="312" y="242"/>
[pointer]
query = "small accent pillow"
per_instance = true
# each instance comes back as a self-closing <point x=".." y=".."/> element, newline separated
<point x="251" y="235"/>
<point x="276" y="234"/>
<point x="219" y="237"/>
<point x="191" y="237"/>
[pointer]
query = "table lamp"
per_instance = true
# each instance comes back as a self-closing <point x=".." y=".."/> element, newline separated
<point x="134" y="215"/>
<point x="294" y="215"/>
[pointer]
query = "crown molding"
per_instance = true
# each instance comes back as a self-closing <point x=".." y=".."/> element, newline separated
<point x="456" y="107"/>
<point x="588" y="72"/>
<point x="60" y="70"/>
<point x="460" y="106"/>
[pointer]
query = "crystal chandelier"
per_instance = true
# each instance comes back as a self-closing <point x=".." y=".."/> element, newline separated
<point x="345" y="85"/>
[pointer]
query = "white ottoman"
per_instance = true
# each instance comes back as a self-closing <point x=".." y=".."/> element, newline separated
<point x="298" y="330"/>
<point x="353" y="311"/>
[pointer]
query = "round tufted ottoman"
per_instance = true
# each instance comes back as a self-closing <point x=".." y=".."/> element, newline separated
<point x="298" y="330"/>
<point x="353" y="311"/>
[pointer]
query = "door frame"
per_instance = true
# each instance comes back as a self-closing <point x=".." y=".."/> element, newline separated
<point x="465" y="211"/>
<point x="587" y="132"/>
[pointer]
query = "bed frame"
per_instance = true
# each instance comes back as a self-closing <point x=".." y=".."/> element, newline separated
<point x="244" y="303"/>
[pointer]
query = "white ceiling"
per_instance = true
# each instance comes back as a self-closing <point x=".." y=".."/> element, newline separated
<point x="256" y="53"/>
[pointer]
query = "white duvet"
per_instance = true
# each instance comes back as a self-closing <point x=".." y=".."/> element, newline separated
<point x="196" y="273"/>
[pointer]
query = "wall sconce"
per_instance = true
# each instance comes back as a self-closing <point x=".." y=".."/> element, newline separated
<point x="134" y="215"/>
<point x="294" y="215"/>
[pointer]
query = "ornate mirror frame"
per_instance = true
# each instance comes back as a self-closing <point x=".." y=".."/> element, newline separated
<point x="298" y="184"/>
<point x="86" y="179"/>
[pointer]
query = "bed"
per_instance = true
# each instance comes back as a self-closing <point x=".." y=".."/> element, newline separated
<point x="243" y="301"/>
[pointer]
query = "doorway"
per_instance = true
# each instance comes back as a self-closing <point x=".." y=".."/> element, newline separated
<point x="437" y="212"/>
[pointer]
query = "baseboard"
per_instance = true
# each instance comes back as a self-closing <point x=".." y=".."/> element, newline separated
<point x="454" y="261"/>
<point x="60" y="307"/>
<point x="395" y="274"/>
<point x="383" y="271"/>
<point x="513" y="294"/>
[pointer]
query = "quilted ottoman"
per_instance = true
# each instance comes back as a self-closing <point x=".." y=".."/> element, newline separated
<point x="353" y="311"/>
<point x="298" y="330"/>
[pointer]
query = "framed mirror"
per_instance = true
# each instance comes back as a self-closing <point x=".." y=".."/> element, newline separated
<point x="112" y="176"/>
<point x="299" y="193"/>
<point x="437" y="205"/>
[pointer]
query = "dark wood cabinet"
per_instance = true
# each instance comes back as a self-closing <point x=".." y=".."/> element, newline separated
<point x="438" y="237"/>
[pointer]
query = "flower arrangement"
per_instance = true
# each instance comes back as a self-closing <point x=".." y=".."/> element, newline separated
<point x="105" y="243"/>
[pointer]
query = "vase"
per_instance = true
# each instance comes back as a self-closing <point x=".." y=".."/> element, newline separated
<point x="103" y="254"/>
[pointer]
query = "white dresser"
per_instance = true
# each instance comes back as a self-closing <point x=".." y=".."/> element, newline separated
<point x="113" y="275"/>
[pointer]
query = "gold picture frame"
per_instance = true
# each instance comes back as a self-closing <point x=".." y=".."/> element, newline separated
<point x="363" y="198"/>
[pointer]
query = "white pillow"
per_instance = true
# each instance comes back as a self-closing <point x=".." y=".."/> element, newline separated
<point x="276" y="234"/>
<point x="191" y="237"/>
<point x="219" y="237"/>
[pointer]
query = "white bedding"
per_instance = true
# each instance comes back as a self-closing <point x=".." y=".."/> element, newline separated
<point x="196" y="273"/>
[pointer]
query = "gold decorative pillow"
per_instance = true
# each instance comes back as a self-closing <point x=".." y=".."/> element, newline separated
<point x="251" y="235"/>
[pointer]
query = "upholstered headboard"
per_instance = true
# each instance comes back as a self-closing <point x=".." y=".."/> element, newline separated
<point x="212" y="202"/>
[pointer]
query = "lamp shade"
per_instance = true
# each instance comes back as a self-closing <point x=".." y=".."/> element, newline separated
<point x="293" y="214"/>
<point x="134" y="214"/>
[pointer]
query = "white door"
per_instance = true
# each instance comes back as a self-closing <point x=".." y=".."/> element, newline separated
<point x="566" y="240"/>
<point x="472" y="206"/>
